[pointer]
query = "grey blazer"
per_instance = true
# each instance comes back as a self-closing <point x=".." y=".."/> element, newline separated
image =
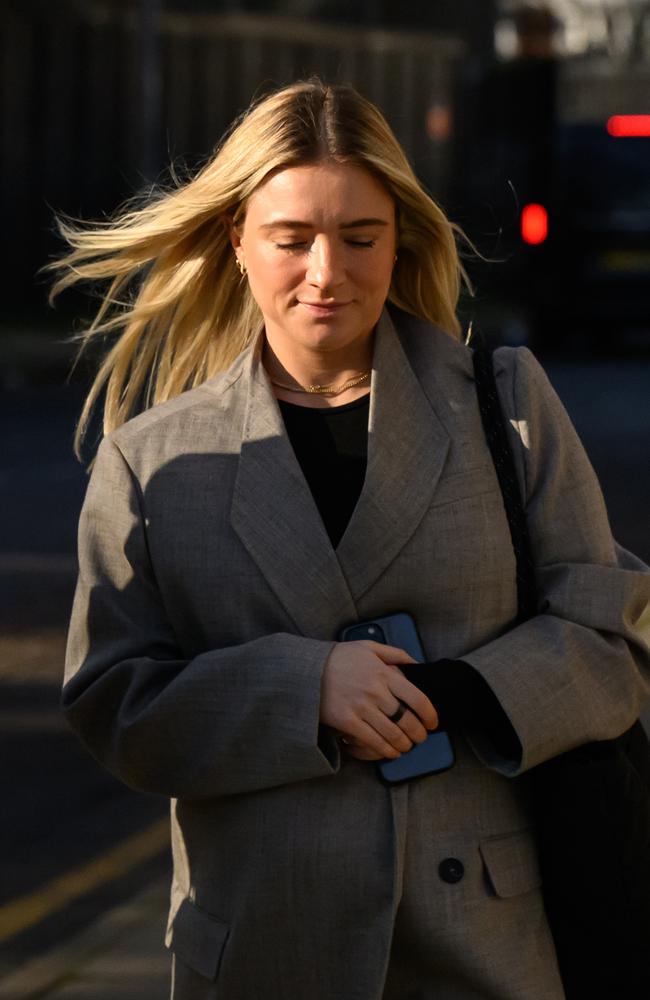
<point x="208" y="600"/>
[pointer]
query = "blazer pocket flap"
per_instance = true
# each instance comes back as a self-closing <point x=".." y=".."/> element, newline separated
<point x="511" y="863"/>
<point x="197" y="938"/>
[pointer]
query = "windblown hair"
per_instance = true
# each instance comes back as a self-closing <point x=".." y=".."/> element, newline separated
<point x="174" y="290"/>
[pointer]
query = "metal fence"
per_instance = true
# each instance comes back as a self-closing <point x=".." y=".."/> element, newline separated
<point x="95" y="104"/>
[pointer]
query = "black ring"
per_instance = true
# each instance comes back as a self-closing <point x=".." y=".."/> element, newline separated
<point x="398" y="713"/>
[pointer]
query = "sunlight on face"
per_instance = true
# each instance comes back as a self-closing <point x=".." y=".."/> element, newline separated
<point x="318" y="243"/>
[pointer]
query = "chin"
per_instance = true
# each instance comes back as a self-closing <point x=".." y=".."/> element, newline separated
<point x="322" y="335"/>
<point x="333" y="332"/>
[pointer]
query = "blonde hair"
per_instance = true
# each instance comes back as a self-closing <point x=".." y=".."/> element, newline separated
<point x="174" y="290"/>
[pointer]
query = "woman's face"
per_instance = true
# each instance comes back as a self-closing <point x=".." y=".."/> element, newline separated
<point x="318" y="243"/>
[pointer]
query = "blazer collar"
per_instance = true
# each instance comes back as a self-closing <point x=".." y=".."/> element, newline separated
<point x="275" y="516"/>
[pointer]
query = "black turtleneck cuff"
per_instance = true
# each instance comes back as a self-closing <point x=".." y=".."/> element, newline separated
<point x="465" y="701"/>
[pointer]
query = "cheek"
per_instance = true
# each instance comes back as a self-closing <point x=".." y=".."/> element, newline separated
<point x="269" y="277"/>
<point x="376" y="275"/>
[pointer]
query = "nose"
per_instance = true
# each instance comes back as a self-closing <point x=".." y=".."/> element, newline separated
<point x="325" y="268"/>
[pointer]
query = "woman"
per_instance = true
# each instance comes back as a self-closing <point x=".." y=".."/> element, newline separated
<point x="329" y="467"/>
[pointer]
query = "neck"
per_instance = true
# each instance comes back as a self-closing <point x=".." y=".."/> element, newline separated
<point x="307" y="368"/>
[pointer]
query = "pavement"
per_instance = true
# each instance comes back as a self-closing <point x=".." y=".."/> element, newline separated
<point x="120" y="956"/>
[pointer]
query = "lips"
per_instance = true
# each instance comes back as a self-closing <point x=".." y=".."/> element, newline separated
<point x="324" y="307"/>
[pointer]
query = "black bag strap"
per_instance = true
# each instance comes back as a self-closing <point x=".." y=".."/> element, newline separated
<point x="600" y="928"/>
<point x="496" y="435"/>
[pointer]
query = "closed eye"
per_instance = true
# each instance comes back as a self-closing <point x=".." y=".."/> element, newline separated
<point x="296" y="247"/>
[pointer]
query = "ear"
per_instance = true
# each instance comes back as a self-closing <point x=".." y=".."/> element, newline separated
<point x="232" y="230"/>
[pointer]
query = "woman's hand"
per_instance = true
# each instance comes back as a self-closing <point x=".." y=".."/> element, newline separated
<point x="361" y="687"/>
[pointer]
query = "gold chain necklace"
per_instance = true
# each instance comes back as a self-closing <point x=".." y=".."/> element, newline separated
<point x="330" y="390"/>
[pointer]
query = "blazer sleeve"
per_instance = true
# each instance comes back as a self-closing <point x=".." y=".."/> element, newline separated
<point x="580" y="670"/>
<point x="229" y="720"/>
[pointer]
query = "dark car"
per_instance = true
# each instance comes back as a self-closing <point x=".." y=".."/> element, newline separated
<point x="560" y="207"/>
<point x="599" y="233"/>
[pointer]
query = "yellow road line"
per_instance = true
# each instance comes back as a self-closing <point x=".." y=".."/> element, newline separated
<point x="30" y="909"/>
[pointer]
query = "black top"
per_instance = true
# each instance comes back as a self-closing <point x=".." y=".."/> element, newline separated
<point x="331" y="445"/>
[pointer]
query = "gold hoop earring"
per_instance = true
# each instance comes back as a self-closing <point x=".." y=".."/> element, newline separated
<point x="241" y="266"/>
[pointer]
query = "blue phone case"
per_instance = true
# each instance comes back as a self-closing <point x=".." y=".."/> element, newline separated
<point x="436" y="753"/>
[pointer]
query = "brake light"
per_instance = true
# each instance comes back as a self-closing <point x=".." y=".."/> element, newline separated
<point x="534" y="224"/>
<point x="623" y="126"/>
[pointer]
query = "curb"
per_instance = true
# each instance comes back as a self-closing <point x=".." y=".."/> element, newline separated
<point x="121" y="955"/>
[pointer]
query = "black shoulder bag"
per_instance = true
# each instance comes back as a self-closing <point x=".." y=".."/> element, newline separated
<point x="591" y="804"/>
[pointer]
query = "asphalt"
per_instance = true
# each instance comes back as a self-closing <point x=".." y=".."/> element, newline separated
<point x="118" y="953"/>
<point x="121" y="956"/>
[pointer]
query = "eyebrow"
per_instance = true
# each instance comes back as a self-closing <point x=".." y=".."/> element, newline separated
<point x="295" y="224"/>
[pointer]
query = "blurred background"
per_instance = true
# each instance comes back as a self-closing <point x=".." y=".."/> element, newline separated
<point x="528" y="122"/>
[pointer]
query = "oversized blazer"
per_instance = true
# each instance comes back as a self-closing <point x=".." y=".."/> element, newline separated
<point x="208" y="601"/>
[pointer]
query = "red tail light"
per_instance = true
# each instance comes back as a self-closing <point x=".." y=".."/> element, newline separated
<point x="534" y="224"/>
<point x="623" y="126"/>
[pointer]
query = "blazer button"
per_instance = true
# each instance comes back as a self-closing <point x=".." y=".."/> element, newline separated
<point x="451" y="870"/>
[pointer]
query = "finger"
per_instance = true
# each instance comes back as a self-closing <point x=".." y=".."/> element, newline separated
<point x="392" y="708"/>
<point x="362" y="734"/>
<point x="389" y="654"/>
<point x="362" y="753"/>
<point x="416" y="700"/>
<point x="390" y="731"/>
<point x="412" y="726"/>
<point x="408" y="721"/>
<point x="349" y="741"/>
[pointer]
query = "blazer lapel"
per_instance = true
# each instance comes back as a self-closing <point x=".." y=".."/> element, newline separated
<point x="275" y="516"/>
<point x="407" y="448"/>
<point x="274" y="513"/>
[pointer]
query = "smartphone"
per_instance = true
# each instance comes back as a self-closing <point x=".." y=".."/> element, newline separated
<point x="436" y="753"/>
